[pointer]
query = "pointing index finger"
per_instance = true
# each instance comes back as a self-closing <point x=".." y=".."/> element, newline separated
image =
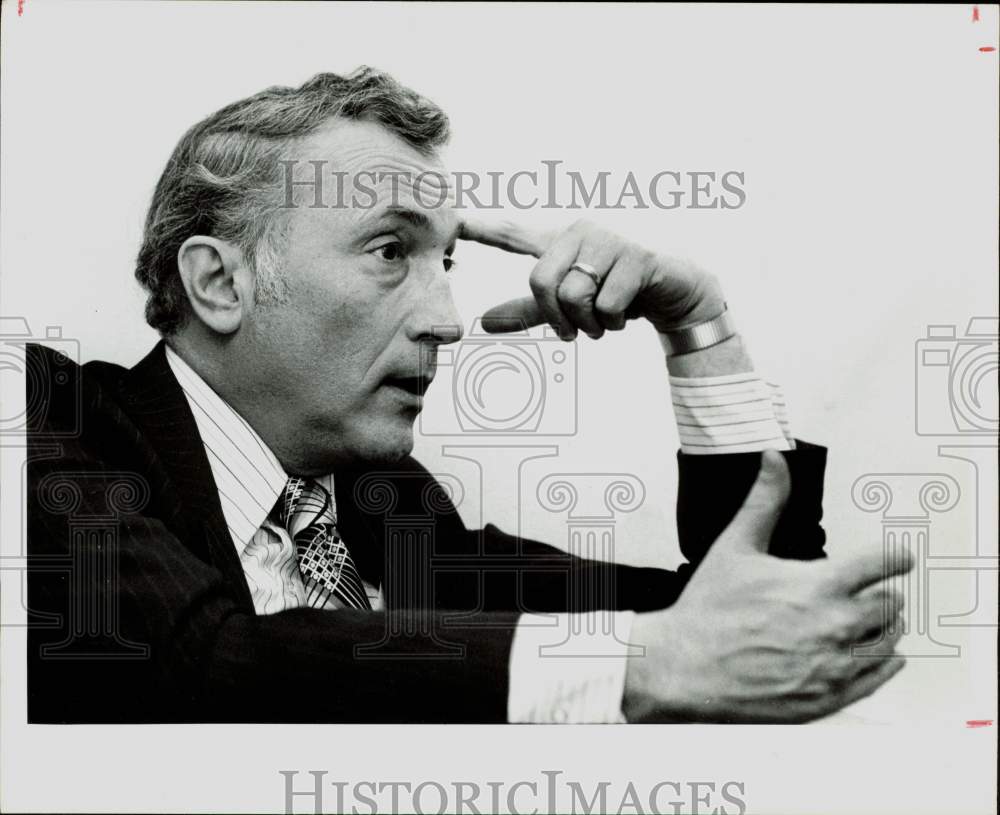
<point x="506" y="235"/>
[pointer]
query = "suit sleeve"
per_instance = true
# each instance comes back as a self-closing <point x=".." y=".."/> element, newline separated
<point x="711" y="490"/>
<point x="480" y="570"/>
<point x="528" y="576"/>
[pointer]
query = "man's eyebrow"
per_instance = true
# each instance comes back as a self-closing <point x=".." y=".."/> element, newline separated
<point x="414" y="216"/>
<point x="421" y="221"/>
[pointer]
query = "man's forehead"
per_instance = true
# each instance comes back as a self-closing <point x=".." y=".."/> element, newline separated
<point x="350" y="146"/>
<point x="380" y="173"/>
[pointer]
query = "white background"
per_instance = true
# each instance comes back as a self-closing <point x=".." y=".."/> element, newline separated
<point x="868" y="138"/>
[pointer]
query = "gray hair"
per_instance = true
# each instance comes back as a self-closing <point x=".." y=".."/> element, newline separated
<point x="223" y="177"/>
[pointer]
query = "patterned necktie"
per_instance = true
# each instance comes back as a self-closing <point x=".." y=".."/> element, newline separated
<point x="306" y="510"/>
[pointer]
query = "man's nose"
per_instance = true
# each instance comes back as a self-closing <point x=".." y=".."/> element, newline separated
<point x="435" y="319"/>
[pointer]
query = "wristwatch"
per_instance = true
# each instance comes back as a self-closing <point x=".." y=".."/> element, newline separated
<point x="699" y="336"/>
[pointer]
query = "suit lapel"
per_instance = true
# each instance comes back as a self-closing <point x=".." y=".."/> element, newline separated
<point x="155" y="402"/>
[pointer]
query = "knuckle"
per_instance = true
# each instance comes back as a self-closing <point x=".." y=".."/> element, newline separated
<point x="843" y="625"/>
<point x="576" y="288"/>
<point x="644" y="258"/>
<point x="709" y="280"/>
<point x="607" y="306"/>
<point x="845" y="666"/>
<point x="538" y="281"/>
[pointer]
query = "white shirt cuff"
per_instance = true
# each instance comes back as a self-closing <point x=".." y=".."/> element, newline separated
<point x="733" y="413"/>
<point x="569" y="668"/>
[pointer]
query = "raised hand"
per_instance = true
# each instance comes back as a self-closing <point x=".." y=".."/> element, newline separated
<point x="591" y="280"/>
<point x="754" y="638"/>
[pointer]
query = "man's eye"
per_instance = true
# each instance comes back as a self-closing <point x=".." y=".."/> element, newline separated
<point x="391" y="252"/>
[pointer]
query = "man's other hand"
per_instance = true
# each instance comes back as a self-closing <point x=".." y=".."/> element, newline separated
<point x="622" y="281"/>
<point x="754" y="638"/>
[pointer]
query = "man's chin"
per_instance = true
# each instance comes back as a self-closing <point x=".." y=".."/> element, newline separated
<point x="384" y="447"/>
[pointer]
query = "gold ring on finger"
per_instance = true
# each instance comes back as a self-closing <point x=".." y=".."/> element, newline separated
<point x="587" y="269"/>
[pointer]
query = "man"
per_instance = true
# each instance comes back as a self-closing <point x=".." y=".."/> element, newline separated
<point x="251" y="464"/>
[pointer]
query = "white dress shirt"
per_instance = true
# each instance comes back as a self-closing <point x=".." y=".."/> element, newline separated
<point x="250" y="479"/>
<point x="723" y="414"/>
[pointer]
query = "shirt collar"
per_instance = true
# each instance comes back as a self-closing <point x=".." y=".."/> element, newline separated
<point x="247" y="474"/>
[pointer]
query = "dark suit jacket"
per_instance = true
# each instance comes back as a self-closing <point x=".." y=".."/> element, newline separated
<point x="140" y="611"/>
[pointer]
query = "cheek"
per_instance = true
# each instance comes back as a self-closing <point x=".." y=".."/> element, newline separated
<point x="329" y="307"/>
<point x="346" y="329"/>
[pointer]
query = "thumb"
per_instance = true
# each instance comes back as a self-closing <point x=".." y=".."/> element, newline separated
<point x="753" y="525"/>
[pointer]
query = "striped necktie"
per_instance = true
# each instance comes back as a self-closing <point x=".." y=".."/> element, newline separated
<point x="306" y="510"/>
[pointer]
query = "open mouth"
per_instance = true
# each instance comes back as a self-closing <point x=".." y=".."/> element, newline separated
<point x="415" y="385"/>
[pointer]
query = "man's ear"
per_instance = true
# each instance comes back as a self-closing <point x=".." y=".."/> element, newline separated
<point x="218" y="283"/>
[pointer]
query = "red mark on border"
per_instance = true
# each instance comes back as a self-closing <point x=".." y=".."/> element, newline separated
<point x="979" y="723"/>
<point x="20" y="8"/>
<point x="985" y="49"/>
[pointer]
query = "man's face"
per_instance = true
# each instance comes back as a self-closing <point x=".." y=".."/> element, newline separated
<point x="349" y="353"/>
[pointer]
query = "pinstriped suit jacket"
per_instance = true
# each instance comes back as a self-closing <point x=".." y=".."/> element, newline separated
<point x="139" y="610"/>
